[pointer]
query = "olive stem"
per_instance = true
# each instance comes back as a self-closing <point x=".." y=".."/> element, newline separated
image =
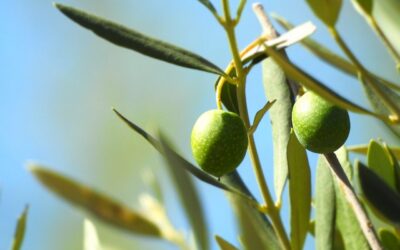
<point x="351" y="197"/>
<point x="272" y="211"/>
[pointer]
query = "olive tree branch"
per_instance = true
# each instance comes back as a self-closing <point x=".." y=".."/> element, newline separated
<point x="351" y="197"/>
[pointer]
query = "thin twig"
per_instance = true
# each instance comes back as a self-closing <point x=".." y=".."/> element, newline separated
<point x="351" y="197"/>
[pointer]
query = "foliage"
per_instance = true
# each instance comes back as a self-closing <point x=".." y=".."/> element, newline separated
<point x="355" y="207"/>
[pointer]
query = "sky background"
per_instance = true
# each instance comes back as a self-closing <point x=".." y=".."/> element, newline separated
<point x="58" y="83"/>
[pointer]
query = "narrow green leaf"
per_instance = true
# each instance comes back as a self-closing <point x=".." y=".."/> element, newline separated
<point x="380" y="161"/>
<point x="97" y="204"/>
<point x="259" y="115"/>
<point x="346" y="221"/>
<point x="299" y="192"/>
<point x="380" y="105"/>
<point x="365" y="7"/>
<point x="174" y="157"/>
<point x="264" y="225"/>
<point x="328" y="56"/>
<point x="209" y="6"/>
<point x="314" y="85"/>
<point x="131" y="39"/>
<point x="277" y="88"/>
<point x="326" y="10"/>
<point x="384" y="200"/>
<point x="325" y="207"/>
<point x="389" y="239"/>
<point x="20" y="230"/>
<point x="224" y="244"/>
<point x="396" y="166"/>
<point x="189" y="196"/>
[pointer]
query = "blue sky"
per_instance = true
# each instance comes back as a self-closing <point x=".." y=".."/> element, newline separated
<point x="58" y="83"/>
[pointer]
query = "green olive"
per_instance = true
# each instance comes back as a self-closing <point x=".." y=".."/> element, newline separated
<point x="219" y="142"/>
<point x="320" y="126"/>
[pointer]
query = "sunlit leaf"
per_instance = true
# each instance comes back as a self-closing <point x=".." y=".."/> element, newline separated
<point x="189" y="196"/>
<point x="346" y="221"/>
<point x="384" y="200"/>
<point x="299" y="191"/>
<point x="326" y="10"/>
<point x="325" y="207"/>
<point x="19" y="233"/>
<point x="172" y="156"/>
<point x="97" y="204"/>
<point x="276" y="87"/>
<point x="90" y="238"/>
<point x="131" y="39"/>
<point x="314" y="85"/>
<point x="327" y="55"/>
<point x="380" y="161"/>
<point x="224" y="244"/>
<point x="389" y="240"/>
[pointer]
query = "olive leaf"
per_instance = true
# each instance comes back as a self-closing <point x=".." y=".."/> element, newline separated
<point x="97" y="204"/>
<point x="365" y="7"/>
<point x="276" y="88"/>
<point x="259" y="115"/>
<point x="19" y="233"/>
<point x="224" y="244"/>
<point x="188" y="194"/>
<point x="209" y="6"/>
<point x="131" y="39"/>
<point x="384" y="200"/>
<point x="325" y="206"/>
<point x="172" y="156"/>
<point x="380" y="161"/>
<point x="389" y="239"/>
<point x="258" y="219"/>
<point x="299" y="191"/>
<point x="326" y="10"/>
<point x="328" y="56"/>
<point x="314" y="85"/>
<point x="90" y="237"/>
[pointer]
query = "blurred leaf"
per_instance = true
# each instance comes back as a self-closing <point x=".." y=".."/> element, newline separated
<point x="326" y="10"/>
<point x="131" y="39"/>
<point x="223" y="244"/>
<point x="277" y="88"/>
<point x="151" y="179"/>
<point x="380" y="106"/>
<point x="172" y="156"/>
<point x="389" y="240"/>
<point x="363" y="149"/>
<point x="20" y="230"/>
<point x="233" y="179"/>
<point x="97" y="204"/>
<point x="380" y="161"/>
<point x="384" y="200"/>
<point x="363" y="6"/>
<point x="330" y="57"/>
<point x="314" y="85"/>
<point x="387" y="14"/>
<point x="346" y="221"/>
<point x="252" y="229"/>
<point x="189" y="196"/>
<point x="325" y="206"/>
<point x="259" y="115"/>
<point x="299" y="191"/>
<point x="90" y="238"/>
